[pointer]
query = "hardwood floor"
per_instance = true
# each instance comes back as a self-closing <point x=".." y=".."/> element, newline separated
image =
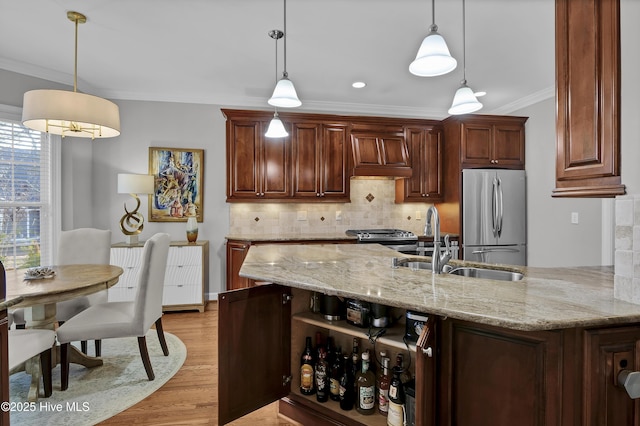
<point x="190" y="397"/>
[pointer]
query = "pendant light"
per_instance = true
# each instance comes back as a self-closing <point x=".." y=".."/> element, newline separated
<point x="433" y="57"/>
<point x="276" y="128"/>
<point x="71" y="113"/>
<point x="284" y="95"/>
<point x="464" y="101"/>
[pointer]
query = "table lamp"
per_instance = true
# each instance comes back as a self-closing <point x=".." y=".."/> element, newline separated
<point x="132" y="222"/>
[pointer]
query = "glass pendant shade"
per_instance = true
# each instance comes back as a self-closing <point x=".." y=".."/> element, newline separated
<point x="276" y="128"/>
<point x="433" y="57"/>
<point x="464" y="101"/>
<point x="284" y="95"/>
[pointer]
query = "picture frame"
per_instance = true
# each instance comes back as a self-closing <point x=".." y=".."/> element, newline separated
<point x="178" y="175"/>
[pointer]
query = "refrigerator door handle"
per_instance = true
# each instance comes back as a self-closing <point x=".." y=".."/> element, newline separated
<point x="501" y="208"/>
<point x="494" y="207"/>
<point x="495" y="250"/>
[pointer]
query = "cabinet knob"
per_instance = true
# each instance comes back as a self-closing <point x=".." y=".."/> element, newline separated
<point x="630" y="381"/>
<point x="428" y="351"/>
<point x="317" y="194"/>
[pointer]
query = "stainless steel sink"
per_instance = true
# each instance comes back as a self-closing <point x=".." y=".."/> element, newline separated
<point x="490" y="274"/>
<point x="418" y="264"/>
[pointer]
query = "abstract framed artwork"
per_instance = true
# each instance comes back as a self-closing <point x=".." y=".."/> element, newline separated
<point x="178" y="184"/>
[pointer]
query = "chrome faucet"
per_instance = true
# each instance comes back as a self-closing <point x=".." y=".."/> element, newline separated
<point x="437" y="261"/>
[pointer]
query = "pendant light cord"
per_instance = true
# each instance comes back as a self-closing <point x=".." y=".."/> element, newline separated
<point x="464" y="44"/>
<point x="284" y="71"/>
<point x="275" y="108"/>
<point x="433" y="12"/>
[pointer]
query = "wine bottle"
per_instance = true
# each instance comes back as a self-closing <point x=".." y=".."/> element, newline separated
<point x="334" y="377"/>
<point x="395" y="416"/>
<point x="322" y="377"/>
<point x="346" y="385"/>
<point x="382" y="385"/>
<point x="307" y="361"/>
<point x="366" y="385"/>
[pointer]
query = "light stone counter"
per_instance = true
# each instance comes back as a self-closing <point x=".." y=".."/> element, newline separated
<point x="282" y="236"/>
<point x="547" y="298"/>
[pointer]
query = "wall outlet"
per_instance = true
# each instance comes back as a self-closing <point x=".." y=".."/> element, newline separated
<point x="418" y="215"/>
<point x="575" y="218"/>
<point x="338" y="215"/>
<point x="302" y="215"/>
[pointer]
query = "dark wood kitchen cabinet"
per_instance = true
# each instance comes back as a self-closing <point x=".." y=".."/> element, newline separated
<point x="487" y="141"/>
<point x="425" y="146"/>
<point x="465" y="373"/>
<point x="257" y="167"/>
<point x="588" y="98"/>
<point x="320" y="158"/>
<point x="379" y="150"/>
<point x="265" y="316"/>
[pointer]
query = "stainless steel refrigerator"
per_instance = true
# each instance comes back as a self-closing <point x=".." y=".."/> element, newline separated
<point x="494" y="216"/>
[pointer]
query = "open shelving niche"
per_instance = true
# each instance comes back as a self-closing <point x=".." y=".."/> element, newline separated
<point x="306" y="323"/>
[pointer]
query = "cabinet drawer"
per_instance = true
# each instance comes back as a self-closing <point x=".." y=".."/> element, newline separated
<point x="191" y="275"/>
<point x="182" y="294"/>
<point x="185" y="256"/>
<point x="126" y="256"/>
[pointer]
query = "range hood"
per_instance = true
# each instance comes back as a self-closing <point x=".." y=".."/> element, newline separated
<point x="375" y="155"/>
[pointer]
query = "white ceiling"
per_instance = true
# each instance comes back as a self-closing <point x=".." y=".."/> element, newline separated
<point x="219" y="51"/>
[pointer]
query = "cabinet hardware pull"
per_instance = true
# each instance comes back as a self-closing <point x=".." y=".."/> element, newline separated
<point x="630" y="381"/>
<point x="428" y="351"/>
<point x="286" y="298"/>
<point x="286" y="380"/>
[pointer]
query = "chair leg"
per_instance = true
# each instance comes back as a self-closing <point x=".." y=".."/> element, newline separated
<point x="45" y="366"/>
<point x="144" y="353"/>
<point x="163" y="342"/>
<point x="98" y="344"/>
<point x="64" y="366"/>
<point x="83" y="346"/>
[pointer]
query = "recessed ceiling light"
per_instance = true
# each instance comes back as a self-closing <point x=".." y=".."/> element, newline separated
<point x="481" y="93"/>
<point x="359" y="84"/>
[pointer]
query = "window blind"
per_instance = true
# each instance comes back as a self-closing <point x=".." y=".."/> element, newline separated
<point x="25" y="196"/>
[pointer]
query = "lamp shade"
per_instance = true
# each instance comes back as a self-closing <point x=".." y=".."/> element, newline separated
<point x="276" y="128"/>
<point x="433" y="57"/>
<point x="464" y="101"/>
<point x="284" y="95"/>
<point x="135" y="184"/>
<point x="74" y="114"/>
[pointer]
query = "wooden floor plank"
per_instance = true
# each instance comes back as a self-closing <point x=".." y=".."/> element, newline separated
<point x="190" y="397"/>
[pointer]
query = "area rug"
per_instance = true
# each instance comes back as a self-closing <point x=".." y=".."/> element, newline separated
<point x="98" y="393"/>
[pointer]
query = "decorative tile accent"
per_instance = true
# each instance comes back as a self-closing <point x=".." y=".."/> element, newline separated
<point x="370" y="197"/>
<point x="322" y="218"/>
<point x="257" y="219"/>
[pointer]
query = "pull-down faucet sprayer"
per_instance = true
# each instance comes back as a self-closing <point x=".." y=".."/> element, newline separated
<point x="437" y="261"/>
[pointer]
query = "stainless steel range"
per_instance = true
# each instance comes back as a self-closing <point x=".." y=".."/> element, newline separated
<point x="396" y="239"/>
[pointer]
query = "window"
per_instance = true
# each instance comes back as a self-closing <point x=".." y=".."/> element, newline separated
<point x="25" y="196"/>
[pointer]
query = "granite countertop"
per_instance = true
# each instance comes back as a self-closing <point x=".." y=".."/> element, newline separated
<point x="290" y="237"/>
<point x="545" y="299"/>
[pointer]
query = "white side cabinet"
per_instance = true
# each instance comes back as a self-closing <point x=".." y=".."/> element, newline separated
<point x="186" y="276"/>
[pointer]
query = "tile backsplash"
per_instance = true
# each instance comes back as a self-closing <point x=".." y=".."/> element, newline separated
<point x="627" y="249"/>
<point x="372" y="206"/>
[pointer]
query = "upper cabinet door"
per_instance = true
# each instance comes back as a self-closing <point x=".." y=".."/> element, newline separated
<point x="334" y="179"/>
<point x="254" y="349"/>
<point x="243" y="159"/>
<point x="588" y="98"/>
<point x="425" y="145"/>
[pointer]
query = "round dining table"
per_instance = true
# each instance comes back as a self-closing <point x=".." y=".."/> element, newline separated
<point x="40" y="296"/>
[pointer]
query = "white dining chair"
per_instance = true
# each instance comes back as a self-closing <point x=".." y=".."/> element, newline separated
<point x="26" y="344"/>
<point x="83" y="246"/>
<point x="124" y="319"/>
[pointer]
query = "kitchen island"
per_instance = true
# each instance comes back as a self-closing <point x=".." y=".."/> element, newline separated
<point x="543" y="350"/>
